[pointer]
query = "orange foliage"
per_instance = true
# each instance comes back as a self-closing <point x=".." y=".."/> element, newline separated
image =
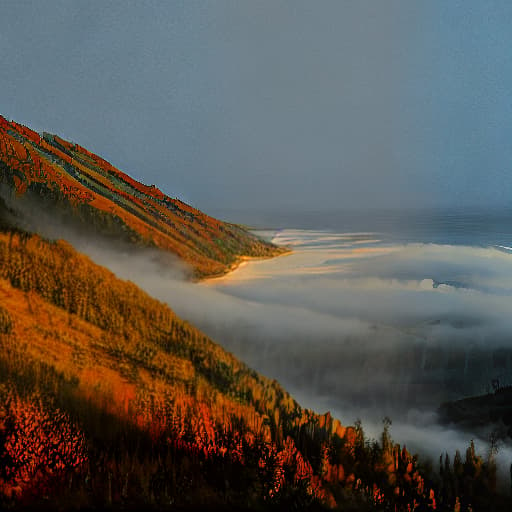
<point x="38" y="450"/>
<point x="133" y="358"/>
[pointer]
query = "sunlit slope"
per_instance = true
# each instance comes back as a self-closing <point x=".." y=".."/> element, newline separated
<point x="130" y="404"/>
<point x="66" y="178"/>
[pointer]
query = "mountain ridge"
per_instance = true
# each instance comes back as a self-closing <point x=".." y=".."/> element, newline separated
<point x="81" y="188"/>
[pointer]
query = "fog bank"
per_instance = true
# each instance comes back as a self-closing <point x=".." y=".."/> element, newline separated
<point x="348" y="318"/>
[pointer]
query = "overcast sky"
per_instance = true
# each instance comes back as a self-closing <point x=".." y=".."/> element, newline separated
<point x="275" y="104"/>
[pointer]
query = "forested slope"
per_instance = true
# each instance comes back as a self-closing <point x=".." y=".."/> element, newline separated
<point x="81" y="189"/>
<point x="108" y="398"/>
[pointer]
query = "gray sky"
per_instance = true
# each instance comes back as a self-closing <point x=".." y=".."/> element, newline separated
<point x="274" y="104"/>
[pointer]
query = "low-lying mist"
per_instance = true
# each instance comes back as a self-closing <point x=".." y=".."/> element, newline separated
<point x="354" y="321"/>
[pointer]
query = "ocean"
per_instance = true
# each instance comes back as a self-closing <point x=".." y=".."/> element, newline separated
<point x="477" y="226"/>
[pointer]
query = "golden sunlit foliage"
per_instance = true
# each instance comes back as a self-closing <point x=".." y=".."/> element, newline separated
<point x="40" y="449"/>
<point x="79" y="185"/>
<point x="132" y="405"/>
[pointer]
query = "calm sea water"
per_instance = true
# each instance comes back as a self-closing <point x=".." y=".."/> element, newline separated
<point x="473" y="227"/>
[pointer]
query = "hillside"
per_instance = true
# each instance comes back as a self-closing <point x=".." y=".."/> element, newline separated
<point x="107" y="398"/>
<point x="492" y="411"/>
<point x="45" y="173"/>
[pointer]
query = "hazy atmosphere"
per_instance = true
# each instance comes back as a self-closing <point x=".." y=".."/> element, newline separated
<point x="275" y="105"/>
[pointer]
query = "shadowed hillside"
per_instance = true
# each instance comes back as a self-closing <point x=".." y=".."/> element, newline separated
<point x="51" y="175"/>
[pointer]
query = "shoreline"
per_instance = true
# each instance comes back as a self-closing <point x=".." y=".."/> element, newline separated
<point x="241" y="261"/>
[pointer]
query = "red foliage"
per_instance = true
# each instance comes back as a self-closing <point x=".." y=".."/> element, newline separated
<point x="38" y="449"/>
